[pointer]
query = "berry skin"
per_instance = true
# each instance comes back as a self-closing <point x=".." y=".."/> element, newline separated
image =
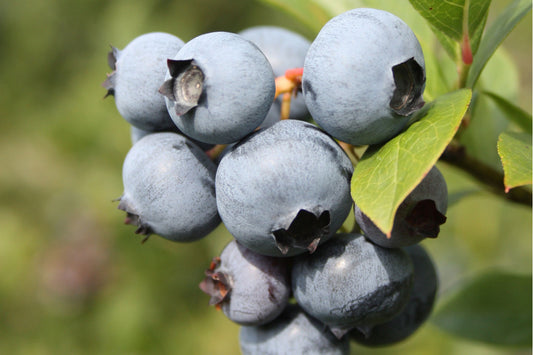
<point x="419" y="216"/>
<point x="138" y="71"/>
<point x="364" y="76"/>
<point x="283" y="190"/>
<point x="417" y="310"/>
<point x="284" y="50"/>
<point x="351" y="283"/>
<point x="169" y="188"/>
<point x="219" y="88"/>
<point x="251" y="289"/>
<point x="293" y="332"/>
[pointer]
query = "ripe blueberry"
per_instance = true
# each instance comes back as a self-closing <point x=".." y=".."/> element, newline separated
<point x="169" y="188"/>
<point x="293" y="332"/>
<point x="284" y="189"/>
<point x="351" y="283"/>
<point x="251" y="289"/>
<point x="219" y="87"/>
<point x="416" y="311"/>
<point x="138" y="71"/>
<point x="364" y="75"/>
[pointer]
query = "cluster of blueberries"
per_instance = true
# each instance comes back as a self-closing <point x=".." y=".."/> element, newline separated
<point x="212" y="143"/>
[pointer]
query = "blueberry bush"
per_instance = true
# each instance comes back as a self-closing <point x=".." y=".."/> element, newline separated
<point x="356" y="172"/>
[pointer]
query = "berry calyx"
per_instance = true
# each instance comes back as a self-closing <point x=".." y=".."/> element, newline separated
<point x="425" y="219"/>
<point x="304" y="232"/>
<point x="185" y="85"/>
<point x="215" y="284"/>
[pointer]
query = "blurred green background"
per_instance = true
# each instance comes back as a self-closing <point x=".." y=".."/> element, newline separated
<point x="75" y="279"/>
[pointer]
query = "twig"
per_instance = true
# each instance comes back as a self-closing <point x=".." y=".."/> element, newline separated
<point x="457" y="156"/>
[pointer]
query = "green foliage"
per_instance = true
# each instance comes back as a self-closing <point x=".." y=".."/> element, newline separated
<point x="513" y="112"/>
<point x="311" y="13"/>
<point x="387" y="174"/>
<point x="496" y="33"/>
<point x="447" y="19"/>
<point x="494" y="307"/>
<point x="515" y="152"/>
<point x="486" y="120"/>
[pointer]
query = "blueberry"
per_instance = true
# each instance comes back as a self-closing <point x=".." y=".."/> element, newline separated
<point x="351" y="283"/>
<point x="419" y="216"/>
<point x="293" y="332"/>
<point x="219" y="87"/>
<point x="169" y="188"/>
<point x="364" y="75"/>
<point x="284" y="189"/>
<point x="284" y="50"/>
<point x="138" y="71"/>
<point x="416" y="311"/>
<point x="251" y="289"/>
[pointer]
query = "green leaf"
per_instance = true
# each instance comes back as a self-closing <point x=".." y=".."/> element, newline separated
<point x="487" y="122"/>
<point x="446" y="19"/>
<point x="512" y="112"/>
<point x="493" y="308"/>
<point x="515" y="152"/>
<point x="387" y="174"/>
<point x="495" y="35"/>
<point x="309" y="12"/>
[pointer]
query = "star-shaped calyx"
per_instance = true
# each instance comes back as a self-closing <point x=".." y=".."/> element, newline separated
<point x="305" y="232"/>
<point x="134" y="219"/>
<point x="425" y="219"/>
<point x="409" y="78"/>
<point x="109" y="83"/>
<point x="185" y="86"/>
<point x="216" y="284"/>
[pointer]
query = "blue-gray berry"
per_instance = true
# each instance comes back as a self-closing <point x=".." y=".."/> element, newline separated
<point x="138" y="71"/>
<point x="364" y="75"/>
<point x="219" y="87"/>
<point x="285" y="189"/>
<point x="169" y="188"/>
<point x="251" y="289"/>
<point x="351" y="283"/>
<point x="416" y="311"/>
<point x="293" y="332"/>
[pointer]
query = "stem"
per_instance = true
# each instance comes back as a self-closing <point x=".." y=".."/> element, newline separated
<point x="214" y="152"/>
<point x="288" y="86"/>
<point x="457" y="156"/>
<point x="285" y="106"/>
<point x="350" y="151"/>
<point x="463" y="66"/>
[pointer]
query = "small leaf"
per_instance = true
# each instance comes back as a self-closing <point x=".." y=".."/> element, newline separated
<point x="387" y="174"/>
<point x="512" y="112"/>
<point x="446" y="20"/>
<point x="494" y="308"/>
<point x="495" y="35"/>
<point x="487" y="122"/>
<point x="515" y="152"/>
<point x="308" y="12"/>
